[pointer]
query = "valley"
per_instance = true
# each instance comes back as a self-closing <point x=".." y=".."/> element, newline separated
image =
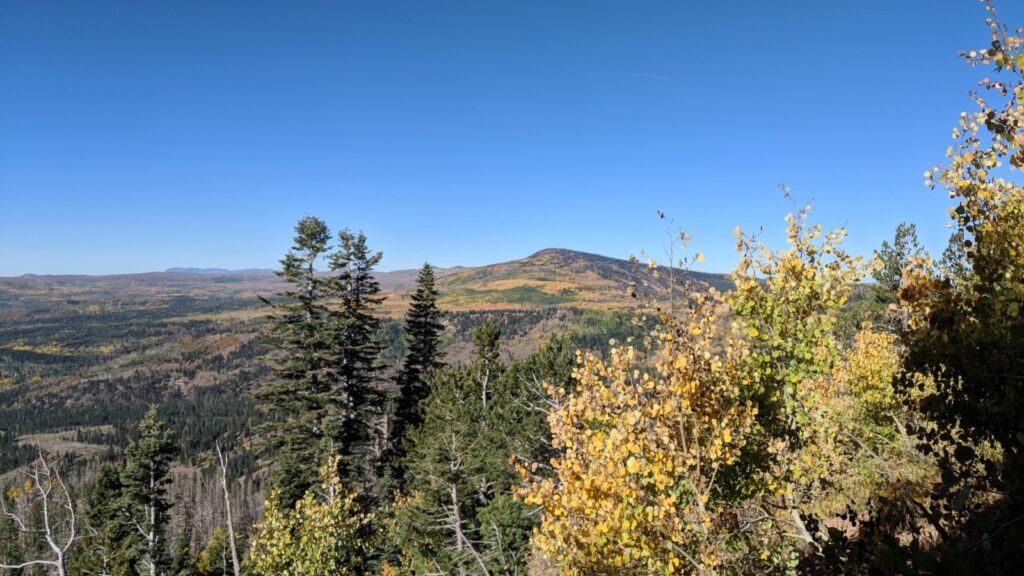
<point x="81" y="357"/>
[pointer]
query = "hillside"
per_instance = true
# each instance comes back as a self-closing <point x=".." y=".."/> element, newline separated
<point x="111" y="344"/>
<point x="550" y="277"/>
<point x="94" y="350"/>
<point x="81" y="351"/>
<point x="81" y="357"/>
<point x="560" y="277"/>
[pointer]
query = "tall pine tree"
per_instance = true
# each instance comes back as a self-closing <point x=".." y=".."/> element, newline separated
<point x="324" y="394"/>
<point x="144" y="482"/>
<point x="423" y="330"/>
<point x="354" y="337"/>
<point x="299" y="396"/>
<point x="106" y="549"/>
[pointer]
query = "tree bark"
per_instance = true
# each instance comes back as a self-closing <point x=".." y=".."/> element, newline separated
<point x="227" y="507"/>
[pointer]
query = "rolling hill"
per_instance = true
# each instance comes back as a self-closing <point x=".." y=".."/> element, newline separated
<point x="81" y="357"/>
<point x="94" y="350"/>
<point x="556" y="276"/>
<point x="550" y="277"/>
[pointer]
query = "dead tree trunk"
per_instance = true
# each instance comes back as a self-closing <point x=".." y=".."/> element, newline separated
<point x="227" y="507"/>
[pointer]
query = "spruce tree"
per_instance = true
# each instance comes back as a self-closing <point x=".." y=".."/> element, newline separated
<point x="106" y="549"/>
<point x="145" y="478"/>
<point x="449" y="478"/>
<point x="354" y="338"/>
<point x="10" y="545"/>
<point x="299" y="395"/>
<point x="457" y="515"/>
<point x="487" y="340"/>
<point x="894" y="258"/>
<point x="423" y="330"/>
<point x="324" y="394"/>
<point x="182" y="560"/>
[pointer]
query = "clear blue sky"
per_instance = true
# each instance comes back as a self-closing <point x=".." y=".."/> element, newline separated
<point x="139" y="135"/>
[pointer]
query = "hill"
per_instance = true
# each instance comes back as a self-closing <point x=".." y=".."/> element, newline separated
<point x="560" y="277"/>
<point x="81" y="357"/>
<point x="550" y="277"/>
<point x="89" y="353"/>
<point x="110" y="344"/>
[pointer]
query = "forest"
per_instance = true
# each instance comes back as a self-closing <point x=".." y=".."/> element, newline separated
<point x="820" y="412"/>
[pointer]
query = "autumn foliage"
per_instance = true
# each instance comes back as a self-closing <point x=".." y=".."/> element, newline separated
<point x="703" y="454"/>
<point x="325" y="532"/>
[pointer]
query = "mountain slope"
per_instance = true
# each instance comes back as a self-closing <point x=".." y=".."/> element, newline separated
<point x="551" y="277"/>
<point x="556" y="276"/>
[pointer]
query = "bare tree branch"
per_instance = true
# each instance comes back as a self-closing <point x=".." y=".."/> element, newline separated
<point x="60" y="532"/>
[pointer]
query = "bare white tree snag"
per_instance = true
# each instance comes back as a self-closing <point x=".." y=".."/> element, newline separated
<point x="227" y="507"/>
<point x="59" y="522"/>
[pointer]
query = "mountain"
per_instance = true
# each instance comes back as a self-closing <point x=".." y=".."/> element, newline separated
<point x="561" y="277"/>
<point x="551" y="277"/>
<point x="81" y="357"/>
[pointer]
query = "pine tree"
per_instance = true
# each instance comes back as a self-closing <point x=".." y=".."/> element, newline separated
<point x="145" y="480"/>
<point x="457" y="515"/>
<point x="106" y="549"/>
<point x="354" y="338"/>
<point x="324" y="395"/>
<point x="299" y="396"/>
<point x="894" y="258"/>
<point x="448" y="477"/>
<point x="182" y="560"/>
<point x="423" y="330"/>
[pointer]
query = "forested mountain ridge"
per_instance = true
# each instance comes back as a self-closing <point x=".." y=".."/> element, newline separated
<point x="81" y="358"/>
<point x="90" y="352"/>
<point x="549" y="277"/>
<point x="558" y="276"/>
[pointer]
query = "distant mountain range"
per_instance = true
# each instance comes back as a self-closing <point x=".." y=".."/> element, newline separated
<point x="220" y="271"/>
<point x="551" y="277"/>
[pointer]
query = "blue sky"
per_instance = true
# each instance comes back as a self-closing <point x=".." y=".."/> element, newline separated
<point x="142" y="135"/>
